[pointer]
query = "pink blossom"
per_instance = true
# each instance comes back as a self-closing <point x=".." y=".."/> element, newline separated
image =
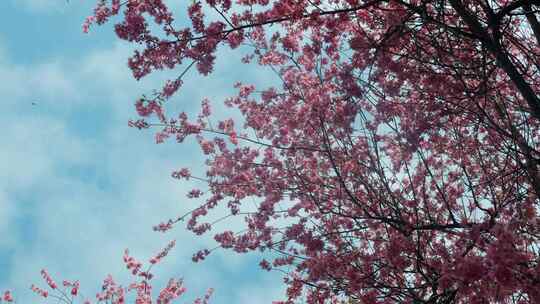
<point x="398" y="151"/>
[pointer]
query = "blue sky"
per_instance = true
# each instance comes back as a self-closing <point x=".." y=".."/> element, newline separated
<point x="77" y="186"/>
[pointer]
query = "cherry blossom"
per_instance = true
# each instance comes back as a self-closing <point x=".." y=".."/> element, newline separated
<point x="397" y="162"/>
<point x="112" y="292"/>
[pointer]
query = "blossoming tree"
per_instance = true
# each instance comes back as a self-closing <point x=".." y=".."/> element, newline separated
<point x="397" y="162"/>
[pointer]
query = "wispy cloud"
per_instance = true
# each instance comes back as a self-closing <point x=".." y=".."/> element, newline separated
<point x="79" y="186"/>
<point x="41" y="5"/>
<point x="23" y="85"/>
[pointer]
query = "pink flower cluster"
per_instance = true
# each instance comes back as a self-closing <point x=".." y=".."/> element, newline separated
<point x="48" y="279"/>
<point x="113" y="293"/>
<point x="163" y="253"/>
<point x="73" y="285"/>
<point x="39" y="291"/>
<point x="6" y="297"/>
<point x="173" y="290"/>
<point x="182" y="173"/>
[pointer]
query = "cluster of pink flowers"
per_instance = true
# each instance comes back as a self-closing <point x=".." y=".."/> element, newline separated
<point x="48" y="279"/>
<point x="39" y="291"/>
<point x="131" y="263"/>
<point x="164" y="226"/>
<point x="163" y="253"/>
<point x="73" y="285"/>
<point x="182" y="173"/>
<point x="139" y="124"/>
<point x="206" y="298"/>
<point x="6" y="297"/>
<point x="113" y="293"/>
<point x="173" y="290"/>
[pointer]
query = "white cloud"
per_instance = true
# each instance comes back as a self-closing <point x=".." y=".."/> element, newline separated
<point x="34" y="149"/>
<point x="7" y="212"/>
<point x="89" y="197"/>
<point x="264" y="291"/>
<point x="42" y="5"/>
<point x="22" y="85"/>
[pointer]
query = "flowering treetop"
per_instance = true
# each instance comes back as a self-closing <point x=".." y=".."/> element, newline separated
<point x="402" y="148"/>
